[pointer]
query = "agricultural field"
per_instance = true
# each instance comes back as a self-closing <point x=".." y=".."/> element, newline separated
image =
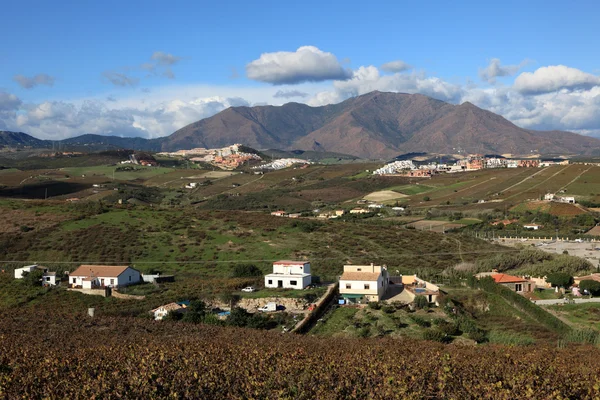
<point x="214" y="362"/>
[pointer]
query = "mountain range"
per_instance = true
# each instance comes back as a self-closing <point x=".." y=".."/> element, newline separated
<point x="374" y="125"/>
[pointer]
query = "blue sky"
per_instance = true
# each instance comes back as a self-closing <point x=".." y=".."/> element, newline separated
<point x="148" y="68"/>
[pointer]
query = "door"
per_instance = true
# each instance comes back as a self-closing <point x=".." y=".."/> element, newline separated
<point x="101" y="282"/>
<point x="279" y="284"/>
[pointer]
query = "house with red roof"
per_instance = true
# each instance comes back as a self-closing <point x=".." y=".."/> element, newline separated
<point x="514" y="283"/>
<point x="289" y="275"/>
<point x="99" y="276"/>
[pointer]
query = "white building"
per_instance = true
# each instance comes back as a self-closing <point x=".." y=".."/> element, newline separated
<point x="94" y="276"/>
<point x="48" y="279"/>
<point x="512" y="163"/>
<point x="162" y="311"/>
<point x="533" y="227"/>
<point x="289" y="275"/>
<point x="363" y="283"/>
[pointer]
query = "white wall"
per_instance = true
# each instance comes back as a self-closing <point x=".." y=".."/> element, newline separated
<point x="374" y="293"/>
<point x="301" y="281"/>
<point x="19" y="271"/>
<point x="128" y="277"/>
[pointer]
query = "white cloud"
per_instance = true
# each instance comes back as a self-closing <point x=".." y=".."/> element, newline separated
<point x="307" y="64"/>
<point x="396" y="66"/>
<point x="120" y="79"/>
<point x="554" y="78"/>
<point x="368" y="79"/>
<point x="288" y="94"/>
<point x="31" y="82"/>
<point x="495" y="70"/>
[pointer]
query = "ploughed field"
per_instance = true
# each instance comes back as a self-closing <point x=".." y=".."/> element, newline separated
<point x="49" y="355"/>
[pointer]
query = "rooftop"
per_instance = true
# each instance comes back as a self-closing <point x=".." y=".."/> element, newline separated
<point x="99" y="270"/>
<point x="287" y="262"/>
<point x="505" y="278"/>
<point x="360" y="276"/>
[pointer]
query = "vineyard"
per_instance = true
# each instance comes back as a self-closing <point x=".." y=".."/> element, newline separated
<point x="72" y="356"/>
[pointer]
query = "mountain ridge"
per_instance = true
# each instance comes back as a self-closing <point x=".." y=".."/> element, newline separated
<point x="373" y="125"/>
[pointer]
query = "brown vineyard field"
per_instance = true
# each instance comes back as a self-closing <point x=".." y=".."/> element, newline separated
<point x="73" y="356"/>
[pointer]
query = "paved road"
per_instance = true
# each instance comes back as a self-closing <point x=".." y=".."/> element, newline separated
<point x="562" y="301"/>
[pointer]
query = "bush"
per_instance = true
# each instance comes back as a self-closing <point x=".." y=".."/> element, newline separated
<point x="436" y="335"/>
<point x="375" y="305"/>
<point x="426" y="198"/>
<point x="449" y="328"/>
<point x="591" y="286"/>
<point x="246" y="271"/>
<point x="388" y="309"/>
<point x="422" y="322"/>
<point x="420" y="301"/>
<point x="478" y="335"/>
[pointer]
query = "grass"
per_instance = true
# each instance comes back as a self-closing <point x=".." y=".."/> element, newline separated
<point x="586" y="315"/>
<point x="335" y="323"/>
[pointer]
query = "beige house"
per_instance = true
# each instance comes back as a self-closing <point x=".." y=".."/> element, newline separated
<point x="363" y="283"/>
<point x="359" y="211"/>
<point x="415" y="286"/>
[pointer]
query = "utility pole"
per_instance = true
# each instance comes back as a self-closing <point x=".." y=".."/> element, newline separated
<point x="46" y="195"/>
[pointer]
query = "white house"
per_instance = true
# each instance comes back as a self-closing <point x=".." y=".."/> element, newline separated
<point x="549" y="196"/>
<point x="533" y="227"/>
<point x="48" y="279"/>
<point x="363" y="283"/>
<point x="289" y="275"/>
<point x="162" y="311"/>
<point x="20" y="272"/>
<point x="92" y="276"/>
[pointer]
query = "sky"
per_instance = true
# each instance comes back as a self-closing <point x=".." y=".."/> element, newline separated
<point x="132" y="68"/>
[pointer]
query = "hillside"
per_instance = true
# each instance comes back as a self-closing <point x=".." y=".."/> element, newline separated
<point x="376" y="125"/>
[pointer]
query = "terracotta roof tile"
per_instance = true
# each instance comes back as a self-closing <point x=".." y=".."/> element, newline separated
<point x="99" y="270"/>
<point x="504" y="278"/>
<point x="360" y="276"/>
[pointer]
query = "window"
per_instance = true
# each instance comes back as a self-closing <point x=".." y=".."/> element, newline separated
<point x="270" y="281"/>
<point x="348" y="286"/>
<point x="129" y="278"/>
<point x="293" y="283"/>
<point x="358" y="269"/>
<point x="367" y="286"/>
<point x="74" y="280"/>
<point x="518" y="287"/>
<point x="112" y="281"/>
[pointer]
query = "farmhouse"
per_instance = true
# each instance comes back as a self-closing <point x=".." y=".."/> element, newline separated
<point x="279" y="213"/>
<point x="98" y="276"/>
<point x="289" y="275"/>
<point x="514" y="283"/>
<point x="363" y="283"/>
<point x="359" y="211"/>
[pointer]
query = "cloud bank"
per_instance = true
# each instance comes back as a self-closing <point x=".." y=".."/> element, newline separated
<point x="554" y="97"/>
<point x="307" y="64"/>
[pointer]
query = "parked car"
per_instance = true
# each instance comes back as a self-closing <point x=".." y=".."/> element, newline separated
<point x="249" y="289"/>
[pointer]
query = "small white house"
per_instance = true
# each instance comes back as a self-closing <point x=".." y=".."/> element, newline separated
<point x="20" y="272"/>
<point x="289" y="275"/>
<point x="97" y="276"/>
<point x="363" y="283"/>
<point x="162" y="311"/>
<point x="533" y="227"/>
<point x="48" y="279"/>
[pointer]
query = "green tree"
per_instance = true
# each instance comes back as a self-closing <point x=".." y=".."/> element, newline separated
<point x="239" y="317"/>
<point x="560" y="279"/>
<point x="591" y="286"/>
<point x="33" y="278"/>
<point x="230" y="298"/>
<point x="246" y="271"/>
<point x="196" y="312"/>
<point x="420" y="301"/>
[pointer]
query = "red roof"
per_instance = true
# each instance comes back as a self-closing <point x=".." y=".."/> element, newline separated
<point x="504" y="278"/>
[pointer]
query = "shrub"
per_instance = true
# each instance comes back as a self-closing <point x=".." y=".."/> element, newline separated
<point x="449" y="328"/>
<point x="591" y="286"/>
<point x="436" y="335"/>
<point x="420" y="301"/>
<point x="388" y="309"/>
<point x="426" y="198"/>
<point x="246" y="271"/>
<point x="422" y="322"/>
<point x="478" y="335"/>
<point x="375" y="305"/>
